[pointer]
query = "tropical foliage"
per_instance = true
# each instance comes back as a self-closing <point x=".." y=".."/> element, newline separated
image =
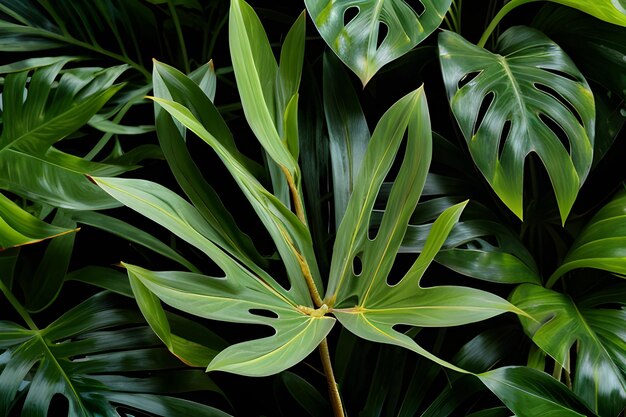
<point x="442" y="218"/>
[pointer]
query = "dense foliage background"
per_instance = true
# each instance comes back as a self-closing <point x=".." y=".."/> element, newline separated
<point x="541" y="102"/>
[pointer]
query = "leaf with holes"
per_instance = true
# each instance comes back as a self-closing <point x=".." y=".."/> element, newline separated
<point x="367" y="34"/>
<point x="527" y="97"/>
<point x="99" y="357"/>
<point x="598" y="334"/>
<point x="361" y="294"/>
<point x="241" y="297"/>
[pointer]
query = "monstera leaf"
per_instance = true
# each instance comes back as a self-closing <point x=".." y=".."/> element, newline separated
<point x="612" y="11"/>
<point x="559" y="325"/>
<point x="359" y="287"/>
<point x="41" y="106"/>
<point x="527" y="97"/>
<point x="379" y="32"/>
<point x="92" y="355"/>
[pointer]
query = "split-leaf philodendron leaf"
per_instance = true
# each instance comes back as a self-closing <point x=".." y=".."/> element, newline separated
<point x="526" y="97"/>
<point x="367" y="34"/>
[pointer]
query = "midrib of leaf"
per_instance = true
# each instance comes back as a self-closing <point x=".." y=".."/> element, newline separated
<point x="186" y="226"/>
<point x="51" y="121"/>
<point x="66" y="377"/>
<point x="45" y="161"/>
<point x="347" y="261"/>
<point x="516" y="88"/>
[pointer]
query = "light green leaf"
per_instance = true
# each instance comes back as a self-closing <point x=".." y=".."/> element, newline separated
<point x="291" y="236"/>
<point x="242" y="298"/>
<point x="18" y="227"/>
<point x="601" y="244"/>
<point x="206" y="79"/>
<point x="612" y="11"/>
<point x="358" y="42"/>
<point x="531" y="393"/>
<point x="533" y="88"/>
<point x="256" y="72"/>
<point x="559" y="324"/>
<point x="363" y="299"/>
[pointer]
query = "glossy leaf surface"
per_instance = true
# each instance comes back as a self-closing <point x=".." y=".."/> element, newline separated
<point x="612" y="11"/>
<point x="18" y="227"/>
<point x="379" y="31"/>
<point x="602" y="243"/>
<point x="100" y="343"/>
<point x="532" y="93"/>
<point x="598" y="335"/>
<point x="530" y="393"/>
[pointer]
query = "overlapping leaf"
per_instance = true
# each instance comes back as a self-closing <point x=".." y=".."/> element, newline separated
<point x="39" y="112"/>
<point x="597" y="334"/>
<point x="612" y="11"/>
<point x="242" y="298"/>
<point x="379" y="32"/>
<point x="18" y="227"/>
<point x="602" y="243"/>
<point x="85" y="356"/>
<point x="532" y="93"/>
<point x="362" y="298"/>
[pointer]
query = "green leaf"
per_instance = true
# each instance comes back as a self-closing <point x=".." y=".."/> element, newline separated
<point x="256" y="72"/>
<point x="84" y="356"/>
<point x="167" y="83"/>
<point x="602" y="242"/>
<point x="305" y="394"/>
<point x="533" y="88"/>
<point x="600" y="54"/>
<point x="347" y="131"/>
<point x="291" y="236"/>
<point x="530" y="393"/>
<point x="599" y="377"/>
<point x="18" y="227"/>
<point x="206" y="79"/>
<point x="242" y="298"/>
<point x="363" y="300"/>
<point x="40" y="112"/>
<point x="612" y="11"/>
<point x="357" y="42"/>
<point x="164" y="406"/>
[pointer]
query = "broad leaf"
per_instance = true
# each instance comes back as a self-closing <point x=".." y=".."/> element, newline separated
<point x="532" y="98"/>
<point x="379" y="32"/>
<point x="241" y="297"/>
<point x="600" y="53"/>
<point x="598" y="334"/>
<point x="362" y="298"/>
<point x="38" y="112"/>
<point x="601" y="244"/>
<point x="18" y="227"/>
<point x="531" y="393"/>
<point x="89" y="355"/>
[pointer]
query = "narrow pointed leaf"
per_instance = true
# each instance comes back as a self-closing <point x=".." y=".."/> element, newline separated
<point x="242" y="298"/>
<point x="599" y="377"/>
<point x="18" y="227"/>
<point x="520" y="79"/>
<point x="347" y="131"/>
<point x="357" y="42"/>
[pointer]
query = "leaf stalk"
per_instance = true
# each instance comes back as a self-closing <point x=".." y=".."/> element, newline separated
<point x="496" y="20"/>
<point x="333" y="390"/>
<point x="18" y="307"/>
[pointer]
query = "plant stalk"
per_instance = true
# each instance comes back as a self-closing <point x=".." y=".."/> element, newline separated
<point x="503" y="12"/>
<point x="179" y="34"/>
<point x="18" y="307"/>
<point x="333" y="390"/>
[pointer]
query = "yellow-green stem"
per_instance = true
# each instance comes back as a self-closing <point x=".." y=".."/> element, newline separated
<point x="17" y="306"/>
<point x="333" y="390"/>
<point x="295" y="195"/>
<point x="503" y="12"/>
